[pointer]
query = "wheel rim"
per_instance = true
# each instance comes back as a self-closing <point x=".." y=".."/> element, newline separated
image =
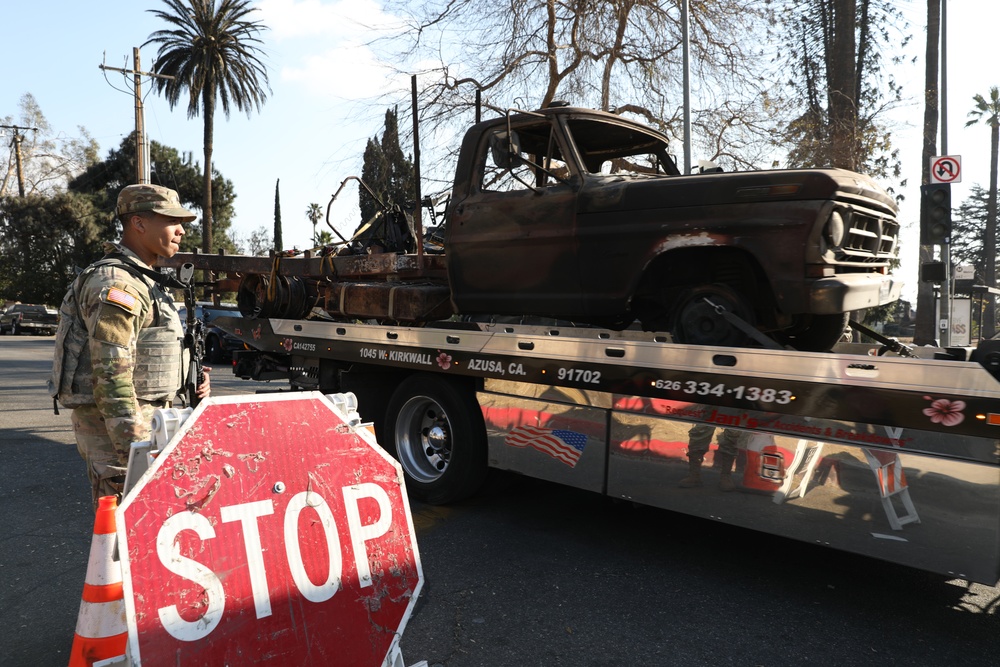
<point x="423" y="439"/>
<point x="698" y="323"/>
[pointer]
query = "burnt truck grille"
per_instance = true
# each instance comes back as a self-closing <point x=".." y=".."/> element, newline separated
<point x="869" y="238"/>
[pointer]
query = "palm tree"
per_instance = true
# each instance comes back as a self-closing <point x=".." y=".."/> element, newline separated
<point x="212" y="52"/>
<point x="315" y="214"/>
<point x="988" y="112"/>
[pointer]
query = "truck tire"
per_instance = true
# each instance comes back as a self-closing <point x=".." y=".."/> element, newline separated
<point x="695" y="322"/>
<point x="15" y="328"/>
<point x="435" y="428"/>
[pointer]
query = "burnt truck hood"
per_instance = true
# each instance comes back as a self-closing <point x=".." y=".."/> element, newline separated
<point x="625" y="192"/>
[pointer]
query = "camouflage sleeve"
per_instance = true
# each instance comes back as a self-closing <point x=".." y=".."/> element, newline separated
<point x="114" y="311"/>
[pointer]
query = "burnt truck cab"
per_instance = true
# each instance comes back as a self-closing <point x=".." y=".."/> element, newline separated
<point x="583" y="215"/>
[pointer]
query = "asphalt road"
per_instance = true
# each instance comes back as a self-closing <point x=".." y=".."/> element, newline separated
<point x="525" y="574"/>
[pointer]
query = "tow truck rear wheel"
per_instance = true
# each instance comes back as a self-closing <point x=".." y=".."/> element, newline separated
<point x="436" y="430"/>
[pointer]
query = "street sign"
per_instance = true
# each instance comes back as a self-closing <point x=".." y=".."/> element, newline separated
<point x="946" y="169"/>
<point x="965" y="272"/>
<point x="268" y="531"/>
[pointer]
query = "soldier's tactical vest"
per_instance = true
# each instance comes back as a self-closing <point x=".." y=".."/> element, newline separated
<point x="160" y="360"/>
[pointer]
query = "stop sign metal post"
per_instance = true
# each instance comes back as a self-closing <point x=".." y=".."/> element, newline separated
<point x="268" y="531"/>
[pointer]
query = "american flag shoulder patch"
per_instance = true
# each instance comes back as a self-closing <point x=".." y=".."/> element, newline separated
<point x="121" y="298"/>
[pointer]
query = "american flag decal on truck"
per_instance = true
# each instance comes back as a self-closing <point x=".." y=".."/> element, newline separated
<point x="565" y="446"/>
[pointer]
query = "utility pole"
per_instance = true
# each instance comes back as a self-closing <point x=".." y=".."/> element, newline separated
<point x="946" y="291"/>
<point x="686" y="60"/>
<point x="15" y="144"/>
<point x="141" y="147"/>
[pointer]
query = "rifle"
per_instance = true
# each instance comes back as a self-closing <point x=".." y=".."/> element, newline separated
<point x="194" y="337"/>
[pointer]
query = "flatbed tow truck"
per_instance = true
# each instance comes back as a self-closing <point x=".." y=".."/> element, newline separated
<point x="888" y="454"/>
<point x="893" y="457"/>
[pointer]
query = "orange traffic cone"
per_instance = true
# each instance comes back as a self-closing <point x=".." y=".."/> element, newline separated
<point x="101" y="630"/>
<point x="765" y="464"/>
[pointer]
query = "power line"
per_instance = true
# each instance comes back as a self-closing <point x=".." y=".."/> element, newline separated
<point x="141" y="147"/>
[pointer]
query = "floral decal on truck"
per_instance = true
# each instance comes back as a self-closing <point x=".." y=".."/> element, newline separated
<point x="444" y="360"/>
<point x="944" y="411"/>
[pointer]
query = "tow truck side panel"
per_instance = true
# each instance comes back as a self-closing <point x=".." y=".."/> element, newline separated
<point x="938" y="514"/>
<point x="887" y="457"/>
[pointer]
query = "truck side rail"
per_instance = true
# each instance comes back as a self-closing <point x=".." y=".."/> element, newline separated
<point x="831" y="388"/>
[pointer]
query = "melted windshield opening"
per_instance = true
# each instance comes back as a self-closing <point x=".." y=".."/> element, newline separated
<point x="611" y="149"/>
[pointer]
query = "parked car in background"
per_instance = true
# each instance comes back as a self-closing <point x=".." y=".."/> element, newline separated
<point x="219" y="345"/>
<point x="29" y="318"/>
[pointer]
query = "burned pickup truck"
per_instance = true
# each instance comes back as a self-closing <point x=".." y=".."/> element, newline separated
<point x="583" y="216"/>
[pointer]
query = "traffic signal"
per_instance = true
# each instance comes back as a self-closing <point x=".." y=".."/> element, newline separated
<point x="935" y="213"/>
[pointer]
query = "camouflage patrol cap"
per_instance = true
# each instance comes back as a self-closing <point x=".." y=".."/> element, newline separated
<point x="155" y="198"/>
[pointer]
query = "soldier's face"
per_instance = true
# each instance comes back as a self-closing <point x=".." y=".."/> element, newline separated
<point x="163" y="234"/>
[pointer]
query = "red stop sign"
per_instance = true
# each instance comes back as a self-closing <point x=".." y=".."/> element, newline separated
<point x="268" y="532"/>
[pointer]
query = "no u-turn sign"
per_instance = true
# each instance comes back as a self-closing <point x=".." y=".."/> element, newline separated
<point x="946" y="169"/>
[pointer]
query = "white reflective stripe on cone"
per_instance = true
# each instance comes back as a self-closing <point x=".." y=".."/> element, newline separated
<point x="101" y="568"/>
<point x="98" y="620"/>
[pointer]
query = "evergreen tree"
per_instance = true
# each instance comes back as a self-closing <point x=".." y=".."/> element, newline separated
<point x="387" y="171"/>
<point x="278" y="243"/>
<point x="42" y="240"/>
<point x="104" y="180"/>
<point x="968" y="237"/>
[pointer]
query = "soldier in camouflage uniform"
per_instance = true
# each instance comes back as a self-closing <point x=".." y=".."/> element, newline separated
<point x="119" y="352"/>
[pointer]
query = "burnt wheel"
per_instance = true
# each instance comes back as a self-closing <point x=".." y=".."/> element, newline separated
<point x="696" y="321"/>
<point x="436" y="430"/>
<point x="815" y="333"/>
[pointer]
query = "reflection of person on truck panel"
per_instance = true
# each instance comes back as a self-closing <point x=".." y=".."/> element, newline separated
<point x="700" y="439"/>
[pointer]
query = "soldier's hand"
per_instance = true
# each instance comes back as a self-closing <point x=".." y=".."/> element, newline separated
<point x="205" y="388"/>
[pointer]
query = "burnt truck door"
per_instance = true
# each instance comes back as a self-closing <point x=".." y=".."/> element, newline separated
<point x="617" y="230"/>
<point x="512" y="247"/>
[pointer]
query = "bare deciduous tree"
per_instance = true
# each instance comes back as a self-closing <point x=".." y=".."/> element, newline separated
<point x="617" y="55"/>
<point x="48" y="161"/>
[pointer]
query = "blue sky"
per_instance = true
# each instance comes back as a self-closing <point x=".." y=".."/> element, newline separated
<point x="308" y="133"/>
<point x="326" y="81"/>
